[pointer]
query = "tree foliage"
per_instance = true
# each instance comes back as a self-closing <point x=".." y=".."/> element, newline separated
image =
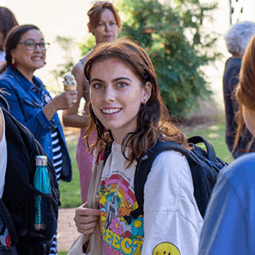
<point x="178" y="44"/>
<point x="66" y="45"/>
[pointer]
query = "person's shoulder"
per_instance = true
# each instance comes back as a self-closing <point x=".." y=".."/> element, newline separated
<point x="171" y="159"/>
<point x="84" y="59"/>
<point x="241" y="170"/>
<point x="77" y="67"/>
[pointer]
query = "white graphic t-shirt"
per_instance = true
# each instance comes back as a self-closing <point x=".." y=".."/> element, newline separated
<point x="117" y="199"/>
<point x="171" y="223"/>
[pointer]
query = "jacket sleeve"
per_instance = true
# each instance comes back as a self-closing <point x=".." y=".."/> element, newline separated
<point x="172" y="222"/>
<point x="225" y="230"/>
<point x="232" y="82"/>
<point x="37" y="123"/>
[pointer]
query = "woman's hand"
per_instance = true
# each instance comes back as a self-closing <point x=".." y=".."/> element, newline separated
<point x="65" y="100"/>
<point x="86" y="220"/>
<point x="62" y="101"/>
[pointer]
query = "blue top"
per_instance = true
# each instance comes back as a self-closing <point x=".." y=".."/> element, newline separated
<point x="26" y="101"/>
<point x="230" y="82"/>
<point x="229" y="226"/>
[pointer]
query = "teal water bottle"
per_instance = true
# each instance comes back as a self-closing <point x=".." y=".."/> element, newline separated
<point x="41" y="183"/>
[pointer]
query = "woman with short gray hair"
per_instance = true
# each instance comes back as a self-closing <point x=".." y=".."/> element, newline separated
<point x="237" y="40"/>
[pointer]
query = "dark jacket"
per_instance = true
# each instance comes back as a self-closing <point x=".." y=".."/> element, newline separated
<point x="230" y="82"/>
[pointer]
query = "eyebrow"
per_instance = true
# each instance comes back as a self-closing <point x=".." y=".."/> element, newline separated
<point x="114" y="80"/>
<point x="34" y="39"/>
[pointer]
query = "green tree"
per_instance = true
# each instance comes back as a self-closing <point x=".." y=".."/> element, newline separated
<point x="178" y="44"/>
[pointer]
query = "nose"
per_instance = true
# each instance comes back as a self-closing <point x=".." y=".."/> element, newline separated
<point x="107" y="27"/>
<point x="37" y="48"/>
<point x="109" y="94"/>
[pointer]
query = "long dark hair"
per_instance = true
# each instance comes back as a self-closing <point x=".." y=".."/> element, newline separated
<point x="7" y="21"/>
<point x="12" y="40"/>
<point x="153" y="121"/>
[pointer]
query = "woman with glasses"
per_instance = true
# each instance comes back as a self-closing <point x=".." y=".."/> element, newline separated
<point x="104" y="24"/>
<point x="30" y="102"/>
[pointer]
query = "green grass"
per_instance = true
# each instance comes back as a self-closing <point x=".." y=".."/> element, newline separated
<point x="215" y="134"/>
<point x="62" y="252"/>
<point x="70" y="191"/>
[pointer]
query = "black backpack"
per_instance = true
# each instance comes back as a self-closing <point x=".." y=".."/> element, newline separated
<point x="19" y="192"/>
<point x="204" y="165"/>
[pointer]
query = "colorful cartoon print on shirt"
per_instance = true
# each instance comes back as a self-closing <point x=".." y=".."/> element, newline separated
<point x="116" y="201"/>
<point x="166" y="249"/>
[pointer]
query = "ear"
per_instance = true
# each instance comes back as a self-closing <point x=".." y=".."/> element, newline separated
<point x="146" y="92"/>
<point x="90" y="28"/>
<point x="13" y="53"/>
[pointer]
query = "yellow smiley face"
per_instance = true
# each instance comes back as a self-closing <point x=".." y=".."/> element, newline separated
<point x="166" y="249"/>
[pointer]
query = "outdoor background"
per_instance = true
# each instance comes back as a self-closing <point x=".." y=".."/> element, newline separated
<point x="68" y="18"/>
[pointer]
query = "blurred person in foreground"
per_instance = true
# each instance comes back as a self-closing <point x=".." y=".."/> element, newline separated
<point x="7" y="22"/>
<point x="229" y="226"/>
<point x="104" y="24"/>
<point x="237" y="40"/>
<point x="30" y="102"/>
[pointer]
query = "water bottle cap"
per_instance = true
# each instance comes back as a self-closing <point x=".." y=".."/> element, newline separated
<point x="41" y="160"/>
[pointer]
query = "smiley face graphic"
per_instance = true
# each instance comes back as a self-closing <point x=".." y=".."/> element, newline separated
<point x="166" y="249"/>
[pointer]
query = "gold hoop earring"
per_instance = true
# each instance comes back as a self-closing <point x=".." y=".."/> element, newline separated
<point x="14" y="63"/>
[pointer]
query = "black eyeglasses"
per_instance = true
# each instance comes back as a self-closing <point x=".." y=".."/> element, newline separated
<point x="31" y="45"/>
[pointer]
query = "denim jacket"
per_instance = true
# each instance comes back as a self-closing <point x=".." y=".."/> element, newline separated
<point x="26" y="101"/>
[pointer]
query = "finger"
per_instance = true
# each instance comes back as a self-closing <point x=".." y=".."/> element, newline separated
<point x="86" y="228"/>
<point x="85" y="219"/>
<point x="87" y="211"/>
<point x="86" y="231"/>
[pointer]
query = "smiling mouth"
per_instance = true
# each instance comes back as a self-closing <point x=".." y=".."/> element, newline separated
<point x="110" y="111"/>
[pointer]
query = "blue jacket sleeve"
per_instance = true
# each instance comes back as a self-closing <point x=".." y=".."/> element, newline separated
<point x="224" y="230"/>
<point x="36" y="121"/>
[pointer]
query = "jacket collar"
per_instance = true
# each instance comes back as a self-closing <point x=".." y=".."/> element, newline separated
<point x="23" y="81"/>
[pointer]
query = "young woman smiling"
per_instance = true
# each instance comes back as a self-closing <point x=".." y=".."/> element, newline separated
<point x="128" y="114"/>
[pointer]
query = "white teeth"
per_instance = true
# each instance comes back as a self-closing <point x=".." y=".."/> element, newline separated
<point x="110" y="111"/>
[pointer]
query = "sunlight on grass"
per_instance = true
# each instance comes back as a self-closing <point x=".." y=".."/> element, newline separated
<point x="213" y="135"/>
<point x="214" y="127"/>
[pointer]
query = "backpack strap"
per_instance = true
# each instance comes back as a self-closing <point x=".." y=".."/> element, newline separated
<point x="4" y="213"/>
<point x="4" y="103"/>
<point x="143" y="169"/>
<point x="211" y="156"/>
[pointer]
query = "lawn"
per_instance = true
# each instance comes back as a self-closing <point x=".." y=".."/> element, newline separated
<point x="70" y="191"/>
<point x="214" y="133"/>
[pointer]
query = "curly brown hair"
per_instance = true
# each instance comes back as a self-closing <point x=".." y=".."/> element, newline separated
<point x="153" y="121"/>
<point x="245" y="92"/>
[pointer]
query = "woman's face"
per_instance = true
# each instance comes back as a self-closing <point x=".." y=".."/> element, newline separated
<point x="249" y="119"/>
<point x="27" y="58"/>
<point x="107" y="29"/>
<point x="116" y="95"/>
